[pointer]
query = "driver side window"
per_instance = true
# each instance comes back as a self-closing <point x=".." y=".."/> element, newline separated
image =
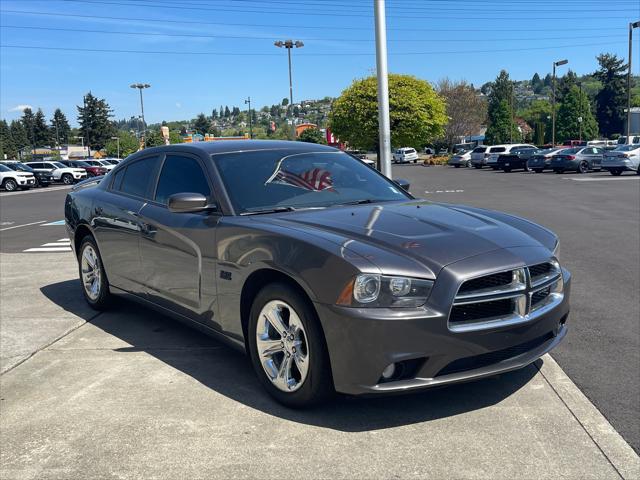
<point x="181" y="174"/>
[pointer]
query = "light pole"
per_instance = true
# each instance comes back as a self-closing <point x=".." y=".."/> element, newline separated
<point x="289" y="44"/>
<point x="631" y="27"/>
<point x="87" y="119"/>
<point x="82" y="142"/>
<point x="553" y="107"/>
<point x="140" y="87"/>
<point x="117" y="139"/>
<point x="580" y="119"/>
<point x="384" y="123"/>
<point x="248" y="101"/>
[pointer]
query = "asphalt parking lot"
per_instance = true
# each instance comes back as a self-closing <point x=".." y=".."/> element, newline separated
<point x="131" y="394"/>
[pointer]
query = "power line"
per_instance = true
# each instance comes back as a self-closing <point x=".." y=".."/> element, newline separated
<point x="248" y="37"/>
<point x="576" y="15"/>
<point x="296" y="26"/>
<point x="336" y="54"/>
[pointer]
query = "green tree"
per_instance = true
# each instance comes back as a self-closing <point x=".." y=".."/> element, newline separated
<point x="95" y="124"/>
<point x="417" y="113"/>
<point x="285" y="102"/>
<point x="8" y="148"/>
<point x="536" y="84"/>
<point x="538" y="115"/>
<point x="565" y="83"/>
<point x="174" y="137"/>
<point x="202" y="125"/>
<point x="28" y="122"/>
<point x="466" y="111"/>
<point x="60" y="128"/>
<point x="312" y="135"/>
<point x="611" y="100"/>
<point x="501" y="124"/>
<point x="41" y="133"/>
<point x="154" y="138"/>
<point x="128" y="145"/>
<point x="19" y="135"/>
<point x="575" y="106"/>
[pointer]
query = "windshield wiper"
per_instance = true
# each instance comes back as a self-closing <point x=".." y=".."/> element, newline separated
<point x="358" y="202"/>
<point x="269" y="210"/>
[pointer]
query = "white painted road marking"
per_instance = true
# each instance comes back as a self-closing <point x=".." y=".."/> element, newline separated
<point x="56" y="244"/>
<point x="39" y="190"/>
<point x="25" y="225"/>
<point x="57" y="222"/>
<point x="602" y="179"/>
<point x="444" y="191"/>
<point x="62" y="245"/>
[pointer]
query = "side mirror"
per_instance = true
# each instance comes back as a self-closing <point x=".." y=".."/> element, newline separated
<point x="402" y="183"/>
<point x="188" y="202"/>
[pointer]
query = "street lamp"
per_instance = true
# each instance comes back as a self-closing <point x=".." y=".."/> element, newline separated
<point x="140" y="87"/>
<point x="553" y="107"/>
<point x="117" y="139"/>
<point x="580" y="119"/>
<point x="86" y="117"/>
<point x="248" y="101"/>
<point x="289" y="44"/>
<point x="631" y="27"/>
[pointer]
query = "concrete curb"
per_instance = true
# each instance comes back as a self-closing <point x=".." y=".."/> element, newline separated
<point x="616" y="450"/>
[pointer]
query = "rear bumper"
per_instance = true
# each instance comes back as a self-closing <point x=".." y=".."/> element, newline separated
<point x="619" y="165"/>
<point x="362" y="342"/>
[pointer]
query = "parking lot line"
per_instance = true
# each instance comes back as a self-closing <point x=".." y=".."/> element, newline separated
<point x="602" y="179"/>
<point x="57" y="244"/>
<point x="19" y="226"/>
<point x="49" y="249"/>
<point x="39" y="190"/>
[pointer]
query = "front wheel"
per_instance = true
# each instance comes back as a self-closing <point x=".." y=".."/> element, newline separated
<point x="616" y="173"/>
<point x="506" y="170"/>
<point x="67" y="179"/>
<point x="10" y="185"/>
<point x="457" y="165"/>
<point x="287" y="347"/>
<point x="95" y="285"/>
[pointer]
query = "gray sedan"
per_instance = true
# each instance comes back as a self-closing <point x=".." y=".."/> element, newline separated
<point x="578" y="159"/>
<point x="328" y="274"/>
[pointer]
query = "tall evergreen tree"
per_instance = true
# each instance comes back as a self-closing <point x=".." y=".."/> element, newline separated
<point x="227" y="112"/>
<point x="95" y="124"/>
<point x="41" y="133"/>
<point x="501" y="124"/>
<point x="536" y="84"/>
<point x="575" y="106"/>
<point x="214" y="113"/>
<point x="565" y="83"/>
<point x="19" y="135"/>
<point x="611" y="100"/>
<point x="60" y="128"/>
<point x="7" y="146"/>
<point x="201" y="124"/>
<point x="28" y="122"/>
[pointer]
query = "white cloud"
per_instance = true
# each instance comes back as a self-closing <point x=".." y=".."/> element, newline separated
<point x="20" y="108"/>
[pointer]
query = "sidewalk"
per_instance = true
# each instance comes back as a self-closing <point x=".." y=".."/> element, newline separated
<point x="135" y="395"/>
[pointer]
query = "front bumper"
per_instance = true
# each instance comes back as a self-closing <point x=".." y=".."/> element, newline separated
<point x="362" y="342"/>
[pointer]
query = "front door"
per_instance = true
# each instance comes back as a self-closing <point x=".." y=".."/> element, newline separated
<point x="178" y="250"/>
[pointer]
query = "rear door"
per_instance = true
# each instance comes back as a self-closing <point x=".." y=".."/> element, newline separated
<point x="117" y="223"/>
<point x="178" y="250"/>
<point x="597" y="157"/>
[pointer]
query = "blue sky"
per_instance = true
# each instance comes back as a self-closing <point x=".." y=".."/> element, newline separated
<point x="224" y="48"/>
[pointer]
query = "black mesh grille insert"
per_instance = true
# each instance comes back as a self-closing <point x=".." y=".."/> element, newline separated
<point x="479" y="311"/>
<point x="489" y="281"/>
<point x="540" y="270"/>
<point x="540" y="295"/>
<point x="486" y="359"/>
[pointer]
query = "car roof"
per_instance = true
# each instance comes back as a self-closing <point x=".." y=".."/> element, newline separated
<point x="230" y="146"/>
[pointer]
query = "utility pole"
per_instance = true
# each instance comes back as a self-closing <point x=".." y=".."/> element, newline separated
<point x="87" y="119"/>
<point x="384" y="123"/>
<point x="248" y="101"/>
<point x="140" y="87"/>
<point x="580" y="117"/>
<point x="117" y="139"/>
<point x="631" y="27"/>
<point x="553" y="107"/>
<point x="511" y="113"/>
<point x="290" y="44"/>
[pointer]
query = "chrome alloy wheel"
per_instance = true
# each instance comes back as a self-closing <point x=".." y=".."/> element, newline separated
<point x="91" y="277"/>
<point x="282" y="346"/>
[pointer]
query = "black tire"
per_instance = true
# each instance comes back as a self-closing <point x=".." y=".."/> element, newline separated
<point x="457" y="165"/>
<point x="506" y="170"/>
<point x="477" y="166"/>
<point x="558" y="170"/>
<point x="616" y="173"/>
<point x="583" y="167"/>
<point x="67" y="179"/>
<point x="638" y="171"/>
<point x="10" y="185"/>
<point x="103" y="300"/>
<point x="415" y="161"/>
<point x="318" y="385"/>
<point x="494" y="167"/>
<point x="537" y="170"/>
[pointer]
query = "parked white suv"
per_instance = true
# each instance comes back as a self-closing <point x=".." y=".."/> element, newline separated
<point x="479" y="155"/>
<point x="624" y="157"/>
<point x="405" y="155"/>
<point x="60" y="172"/>
<point x="497" y="150"/>
<point x="11" y="180"/>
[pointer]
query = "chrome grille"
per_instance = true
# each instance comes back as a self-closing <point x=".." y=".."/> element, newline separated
<point x="506" y="297"/>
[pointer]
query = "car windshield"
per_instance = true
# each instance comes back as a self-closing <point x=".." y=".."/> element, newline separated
<point x="80" y="164"/>
<point x="4" y="168"/>
<point x="272" y="179"/>
<point x="59" y="165"/>
<point x="569" y="151"/>
<point x="627" y="148"/>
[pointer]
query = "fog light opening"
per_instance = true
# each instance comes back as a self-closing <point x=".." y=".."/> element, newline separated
<point x="388" y="372"/>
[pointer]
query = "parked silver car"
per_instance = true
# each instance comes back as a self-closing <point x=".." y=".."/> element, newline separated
<point x="579" y="159"/>
<point x="624" y="157"/>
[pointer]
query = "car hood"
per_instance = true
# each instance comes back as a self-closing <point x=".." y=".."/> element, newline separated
<point x="430" y="234"/>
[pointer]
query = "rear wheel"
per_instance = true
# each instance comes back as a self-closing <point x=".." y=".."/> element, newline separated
<point x="506" y="170"/>
<point x="616" y="172"/>
<point x="67" y="179"/>
<point x="478" y="166"/>
<point x="457" y="165"/>
<point x="287" y="347"/>
<point x="583" y="167"/>
<point x="95" y="285"/>
<point x="10" y="185"/>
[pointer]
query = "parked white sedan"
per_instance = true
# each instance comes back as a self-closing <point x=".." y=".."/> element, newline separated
<point x="461" y="159"/>
<point x="60" y="172"/>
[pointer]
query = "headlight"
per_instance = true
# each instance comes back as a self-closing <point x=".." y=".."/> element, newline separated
<point x="372" y="290"/>
<point x="556" y="250"/>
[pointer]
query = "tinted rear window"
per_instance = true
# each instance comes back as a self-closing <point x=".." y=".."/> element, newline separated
<point x="136" y="178"/>
<point x="479" y="149"/>
<point x="497" y="150"/>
